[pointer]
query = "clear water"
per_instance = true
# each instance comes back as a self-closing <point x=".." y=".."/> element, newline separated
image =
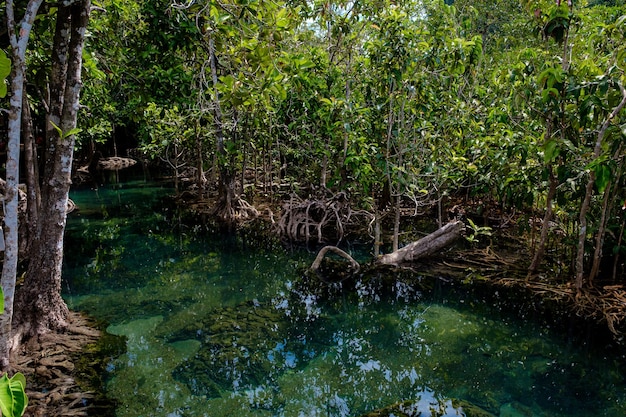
<point x="217" y="327"/>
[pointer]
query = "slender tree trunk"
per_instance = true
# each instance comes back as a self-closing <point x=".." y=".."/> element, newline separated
<point x="584" y="208"/>
<point x="200" y="160"/>
<point x="597" y="253"/>
<point x="41" y="308"/>
<point x="545" y="227"/>
<point x="33" y="192"/>
<point x="226" y="186"/>
<point x="377" y="234"/>
<point x="616" y="258"/>
<point x="18" y="38"/>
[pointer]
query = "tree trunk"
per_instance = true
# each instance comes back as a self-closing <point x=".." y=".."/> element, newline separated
<point x="226" y="187"/>
<point x="18" y="38"/>
<point x="41" y="308"/>
<point x="33" y="191"/>
<point x="545" y="226"/>
<point x="200" y="160"/>
<point x="589" y="191"/>
<point x="395" y="243"/>
<point x="426" y="246"/>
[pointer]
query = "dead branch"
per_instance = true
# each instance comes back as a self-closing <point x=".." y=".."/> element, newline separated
<point x="315" y="266"/>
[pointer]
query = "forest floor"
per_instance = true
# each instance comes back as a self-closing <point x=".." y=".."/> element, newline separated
<point x="60" y="370"/>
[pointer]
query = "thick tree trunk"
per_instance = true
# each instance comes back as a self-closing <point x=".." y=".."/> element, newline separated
<point x="18" y="38"/>
<point x="41" y="307"/>
<point x="426" y="246"/>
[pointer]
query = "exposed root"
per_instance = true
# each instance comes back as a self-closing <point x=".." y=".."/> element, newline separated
<point x="237" y="212"/>
<point x="607" y="304"/>
<point x="313" y="218"/>
<point x="48" y="364"/>
<point x="320" y="257"/>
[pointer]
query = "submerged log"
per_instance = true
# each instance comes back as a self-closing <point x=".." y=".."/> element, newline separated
<point x="426" y="246"/>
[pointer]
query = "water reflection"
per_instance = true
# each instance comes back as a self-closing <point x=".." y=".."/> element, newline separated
<point x="216" y="328"/>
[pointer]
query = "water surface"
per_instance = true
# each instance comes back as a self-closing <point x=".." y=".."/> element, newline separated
<point x="218" y="326"/>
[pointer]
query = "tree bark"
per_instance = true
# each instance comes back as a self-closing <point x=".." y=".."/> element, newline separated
<point x="426" y="246"/>
<point x="41" y="308"/>
<point x="582" y="234"/>
<point x="18" y="38"/>
<point x="545" y="226"/>
<point x="33" y="191"/>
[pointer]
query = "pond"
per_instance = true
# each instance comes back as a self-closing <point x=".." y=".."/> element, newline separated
<point x="218" y="326"/>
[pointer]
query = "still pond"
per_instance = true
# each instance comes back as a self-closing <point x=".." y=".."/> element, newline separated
<point x="218" y="326"/>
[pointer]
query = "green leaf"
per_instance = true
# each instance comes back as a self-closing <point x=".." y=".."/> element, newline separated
<point x="57" y="128"/>
<point x="603" y="177"/>
<point x="13" y="399"/>
<point x="5" y="70"/>
<point x="69" y="133"/>
<point x="550" y="151"/>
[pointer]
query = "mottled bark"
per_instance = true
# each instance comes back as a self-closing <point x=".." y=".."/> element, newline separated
<point x="41" y="307"/>
<point x="545" y="226"/>
<point x="19" y="34"/>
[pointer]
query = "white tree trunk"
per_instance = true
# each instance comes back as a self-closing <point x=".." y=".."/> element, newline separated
<point x="18" y="38"/>
<point x="39" y="306"/>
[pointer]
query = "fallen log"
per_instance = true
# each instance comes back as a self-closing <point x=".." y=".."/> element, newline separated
<point x="426" y="246"/>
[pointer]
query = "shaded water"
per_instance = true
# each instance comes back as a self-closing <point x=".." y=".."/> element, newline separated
<point x="218" y="326"/>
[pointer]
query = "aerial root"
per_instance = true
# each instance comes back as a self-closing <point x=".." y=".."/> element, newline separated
<point x="312" y="218"/>
<point x="607" y="304"/>
<point x="315" y="266"/>
<point x="238" y="211"/>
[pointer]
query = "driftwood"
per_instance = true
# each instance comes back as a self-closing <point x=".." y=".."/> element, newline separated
<point x="320" y="257"/>
<point x="426" y="246"/>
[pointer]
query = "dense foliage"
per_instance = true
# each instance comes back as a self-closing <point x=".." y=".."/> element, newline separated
<point x="512" y="106"/>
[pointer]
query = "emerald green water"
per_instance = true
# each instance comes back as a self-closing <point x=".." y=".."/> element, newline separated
<point x="219" y="326"/>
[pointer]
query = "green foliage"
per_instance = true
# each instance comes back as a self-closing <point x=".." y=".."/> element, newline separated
<point x="477" y="231"/>
<point x="67" y="134"/>
<point x="419" y="98"/>
<point x="13" y="399"/>
<point x="5" y="70"/>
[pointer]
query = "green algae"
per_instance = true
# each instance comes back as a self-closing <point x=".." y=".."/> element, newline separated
<point x="430" y="407"/>
<point x="241" y="347"/>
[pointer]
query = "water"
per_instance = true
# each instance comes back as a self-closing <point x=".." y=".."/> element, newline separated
<point x="220" y="326"/>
